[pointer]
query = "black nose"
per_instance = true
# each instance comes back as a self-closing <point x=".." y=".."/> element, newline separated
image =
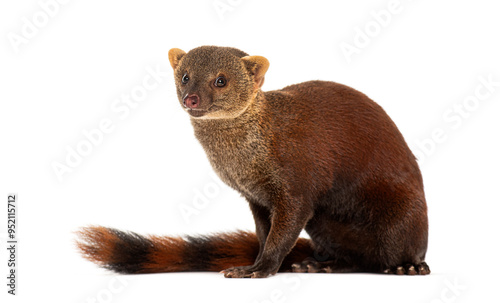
<point x="191" y="101"/>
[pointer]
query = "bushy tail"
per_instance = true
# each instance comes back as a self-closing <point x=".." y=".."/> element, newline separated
<point x="127" y="252"/>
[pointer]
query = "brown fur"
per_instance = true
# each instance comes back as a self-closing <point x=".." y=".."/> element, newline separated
<point x="318" y="156"/>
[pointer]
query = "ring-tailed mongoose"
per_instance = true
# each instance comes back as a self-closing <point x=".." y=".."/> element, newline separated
<point x="318" y="156"/>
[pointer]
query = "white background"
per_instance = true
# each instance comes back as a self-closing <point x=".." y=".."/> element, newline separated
<point x="420" y="65"/>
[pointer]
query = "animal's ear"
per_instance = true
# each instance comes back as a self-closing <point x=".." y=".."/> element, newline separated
<point x="175" y="55"/>
<point x="257" y="67"/>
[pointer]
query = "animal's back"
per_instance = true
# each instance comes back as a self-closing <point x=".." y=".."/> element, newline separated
<point x="328" y="134"/>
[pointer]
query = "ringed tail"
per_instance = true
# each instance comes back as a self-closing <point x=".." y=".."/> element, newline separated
<point x="131" y="253"/>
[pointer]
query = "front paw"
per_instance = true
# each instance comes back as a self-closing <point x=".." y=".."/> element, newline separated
<point x="246" y="272"/>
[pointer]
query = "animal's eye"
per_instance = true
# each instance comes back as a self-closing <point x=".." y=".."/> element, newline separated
<point x="185" y="79"/>
<point x="220" y="81"/>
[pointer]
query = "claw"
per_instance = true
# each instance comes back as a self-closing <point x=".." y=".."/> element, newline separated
<point x="400" y="270"/>
<point x="409" y="269"/>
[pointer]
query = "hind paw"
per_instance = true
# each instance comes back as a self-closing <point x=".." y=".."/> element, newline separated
<point x="409" y="269"/>
<point x="312" y="266"/>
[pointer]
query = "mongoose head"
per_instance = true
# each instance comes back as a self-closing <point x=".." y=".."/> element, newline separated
<point x="216" y="82"/>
